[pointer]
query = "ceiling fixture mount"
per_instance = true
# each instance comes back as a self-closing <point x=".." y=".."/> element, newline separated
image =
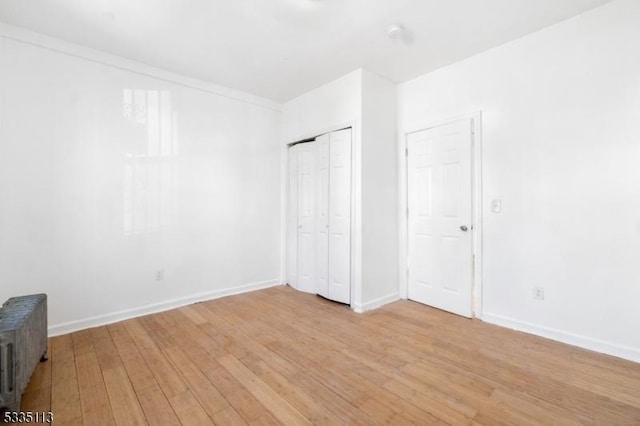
<point x="395" y="31"/>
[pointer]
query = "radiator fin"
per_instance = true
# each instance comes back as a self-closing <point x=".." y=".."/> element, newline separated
<point x="6" y="368"/>
<point x="23" y="343"/>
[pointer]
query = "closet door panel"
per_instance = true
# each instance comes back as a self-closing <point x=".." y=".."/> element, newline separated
<point x="340" y="216"/>
<point x="322" y="281"/>
<point x="307" y="217"/>
<point x="292" y="217"/>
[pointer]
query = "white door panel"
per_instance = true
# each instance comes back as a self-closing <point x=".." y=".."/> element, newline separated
<point x="440" y="203"/>
<point x="292" y="218"/>
<point x="340" y="216"/>
<point x="307" y="216"/>
<point x="322" y="283"/>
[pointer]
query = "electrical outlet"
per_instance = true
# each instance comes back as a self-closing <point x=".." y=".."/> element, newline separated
<point x="538" y="293"/>
<point x="160" y="275"/>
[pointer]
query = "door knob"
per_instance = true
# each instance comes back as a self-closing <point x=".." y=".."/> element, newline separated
<point x="464" y="228"/>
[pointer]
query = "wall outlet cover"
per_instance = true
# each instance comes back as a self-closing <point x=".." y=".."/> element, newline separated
<point x="496" y="206"/>
<point x="538" y="293"/>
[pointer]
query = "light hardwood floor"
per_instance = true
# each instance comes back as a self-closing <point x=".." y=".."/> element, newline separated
<point x="278" y="356"/>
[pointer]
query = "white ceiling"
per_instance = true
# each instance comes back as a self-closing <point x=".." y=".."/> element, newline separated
<point x="280" y="49"/>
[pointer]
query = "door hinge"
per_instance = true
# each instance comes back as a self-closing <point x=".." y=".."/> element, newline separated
<point x="406" y="152"/>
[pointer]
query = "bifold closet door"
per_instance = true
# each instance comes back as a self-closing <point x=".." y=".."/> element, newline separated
<point x="339" y="213"/>
<point x="319" y="216"/>
<point x="307" y="216"/>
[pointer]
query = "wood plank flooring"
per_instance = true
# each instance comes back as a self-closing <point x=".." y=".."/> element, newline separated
<point x="278" y="356"/>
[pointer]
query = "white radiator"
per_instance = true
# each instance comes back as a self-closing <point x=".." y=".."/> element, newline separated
<point x="23" y="343"/>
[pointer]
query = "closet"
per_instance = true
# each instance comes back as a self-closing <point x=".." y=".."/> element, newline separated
<point x="319" y="216"/>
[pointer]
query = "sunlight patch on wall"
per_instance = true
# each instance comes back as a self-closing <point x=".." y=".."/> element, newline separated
<point x="149" y="168"/>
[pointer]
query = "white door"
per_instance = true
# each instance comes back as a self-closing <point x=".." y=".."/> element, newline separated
<point x="292" y="218"/>
<point x="440" y="212"/>
<point x="322" y="280"/>
<point x="340" y="216"/>
<point x="307" y="217"/>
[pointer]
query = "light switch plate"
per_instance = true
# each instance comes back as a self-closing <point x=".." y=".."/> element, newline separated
<point x="496" y="206"/>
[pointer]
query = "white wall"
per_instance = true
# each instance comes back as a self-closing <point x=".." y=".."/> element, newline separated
<point x="202" y="205"/>
<point x="560" y="112"/>
<point x="379" y="192"/>
<point x="329" y="107"/>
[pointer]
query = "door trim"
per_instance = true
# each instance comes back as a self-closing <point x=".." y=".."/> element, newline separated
<point x="476" y="194"/>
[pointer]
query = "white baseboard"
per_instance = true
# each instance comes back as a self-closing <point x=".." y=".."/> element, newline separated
<point x="96" y="321"/>
<point x="375" y="303"/>
<point x="620" y="351"/>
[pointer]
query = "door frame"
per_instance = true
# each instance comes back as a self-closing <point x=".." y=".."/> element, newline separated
<point x="476" y="195"/>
